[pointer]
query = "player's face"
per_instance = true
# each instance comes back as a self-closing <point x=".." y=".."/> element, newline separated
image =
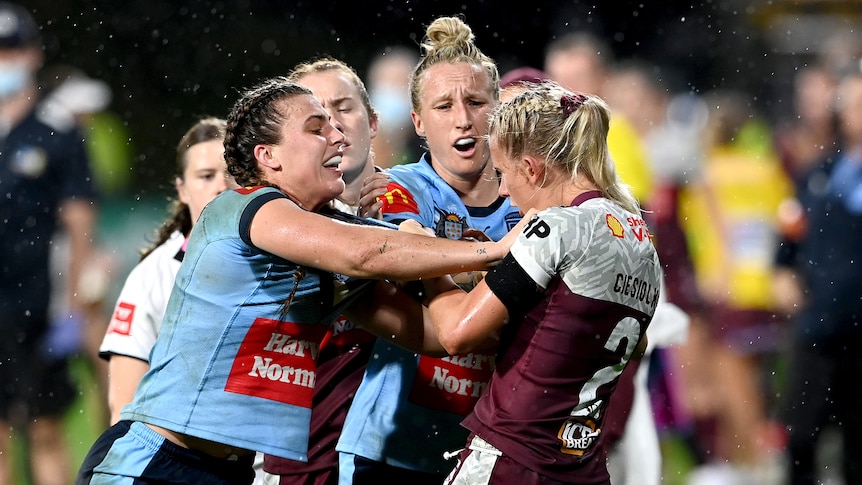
<point x="205" y="176"/>
<point x="513" y="182"/>
<point x="341" y="99"/>
<point x="454" y="106"/>
<point x="307" y="160"/>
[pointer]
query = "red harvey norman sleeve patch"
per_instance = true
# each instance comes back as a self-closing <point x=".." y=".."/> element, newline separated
<point x="121" y="322"/>
<point x="398" y="199"/>
<point x="452" y="384"/>
<point x="277" y="361"/>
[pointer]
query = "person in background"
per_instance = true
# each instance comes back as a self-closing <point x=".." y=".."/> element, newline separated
<point x="388" y="86"/>
<point x="201" y="175"/>
<point x="731" y="224"/>
<point x="812" y="134"/>
<point x="677" y="335"/>
<point x="404" y="397"/>
<point x="581" y="62"/>
<point x="45" y="180"/>
<point x="566" y="284"/>
<point x="822" y="392"/>
<point x="264" y="276"/>
<point x="343" y="358"/>
<point x="73" y="96"/>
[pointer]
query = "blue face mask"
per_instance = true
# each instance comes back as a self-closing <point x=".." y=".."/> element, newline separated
<point x="13" y="78"/>
<point x="392" y="106"/>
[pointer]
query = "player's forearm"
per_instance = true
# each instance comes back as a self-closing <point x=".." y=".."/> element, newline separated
<point x="78" y="218"/>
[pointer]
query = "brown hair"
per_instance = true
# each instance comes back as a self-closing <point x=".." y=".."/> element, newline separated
<point x="256" y="119"/>
<point x="206" y="129"/>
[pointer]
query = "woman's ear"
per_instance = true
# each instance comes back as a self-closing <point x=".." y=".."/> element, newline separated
<point x="418" y="127"/>
<point x="263" y="154"/>
<point x="182" y="193"/>
<point x="534" y="169"/>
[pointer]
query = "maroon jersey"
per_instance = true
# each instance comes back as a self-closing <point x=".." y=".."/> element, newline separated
<point x="595" y="276"/>
<point x="340" y="367"/>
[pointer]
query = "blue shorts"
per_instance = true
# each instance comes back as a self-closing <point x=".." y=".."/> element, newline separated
<point x="132" y="453"/>
<point x="358" y="470"/>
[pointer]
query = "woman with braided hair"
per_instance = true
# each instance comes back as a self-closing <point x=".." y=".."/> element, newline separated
<point x="264" y="276"/>
<point x="570" y="303"/>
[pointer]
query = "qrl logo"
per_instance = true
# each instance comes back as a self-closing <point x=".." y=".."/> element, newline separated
<point x="577" y="435"/>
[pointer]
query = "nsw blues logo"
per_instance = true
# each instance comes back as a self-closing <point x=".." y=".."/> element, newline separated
<point x="450" y="225"/>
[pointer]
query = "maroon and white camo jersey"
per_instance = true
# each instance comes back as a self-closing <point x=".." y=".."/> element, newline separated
<point x="557" y="367"/>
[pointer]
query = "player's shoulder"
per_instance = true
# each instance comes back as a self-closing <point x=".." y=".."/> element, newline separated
<point x="590" y="215"/>
<point x="414" y="174"/>
<point x="165" y="253"/>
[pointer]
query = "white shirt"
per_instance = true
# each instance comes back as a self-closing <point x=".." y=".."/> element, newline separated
<point x="141" y="305"/>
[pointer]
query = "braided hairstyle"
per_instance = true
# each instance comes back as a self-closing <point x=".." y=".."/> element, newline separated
<point x="256" y="119"/>
<point x="568" y="130"/>
<point x="449" y="40"/>
<point x="206" y="129"/>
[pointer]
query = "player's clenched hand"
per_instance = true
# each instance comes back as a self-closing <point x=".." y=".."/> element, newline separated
<point x="510" y="237"/>
<point x="373" y="188"/>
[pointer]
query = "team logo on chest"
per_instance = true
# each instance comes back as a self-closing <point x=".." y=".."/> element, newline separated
<point x="450" y="225"/>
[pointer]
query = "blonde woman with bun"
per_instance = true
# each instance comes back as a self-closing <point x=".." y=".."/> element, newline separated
<point x="404" y="397"/>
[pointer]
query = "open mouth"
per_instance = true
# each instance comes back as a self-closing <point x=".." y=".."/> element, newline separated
<point x="333" y="162"/>
<point x="465" y="144"/>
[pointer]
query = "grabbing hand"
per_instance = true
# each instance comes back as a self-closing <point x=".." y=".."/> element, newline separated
<point x="510" y="237"/>
<point x="373" y="188"/>
<point x="471" y="234"/>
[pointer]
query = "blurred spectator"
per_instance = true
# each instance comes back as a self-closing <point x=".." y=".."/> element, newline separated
<point x="732" y="227"/>
<point x="811" y="134"/>
<point x="105" y="134"/>
<point x="823" y="392"/>
<point x="580" y="62"/>
<point x="46" y="182"/>
<point x="635" y="91"/>
<point x="74" y="99"/>
<point x="842" y="51"/>
<point x="388" y="85"/>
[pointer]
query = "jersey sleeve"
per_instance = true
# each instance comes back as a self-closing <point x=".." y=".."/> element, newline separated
<point x="547" y="242"/>
<point x="514" y="287"/>
<point x="405" y="200"/>
<point x="138" y="312"/>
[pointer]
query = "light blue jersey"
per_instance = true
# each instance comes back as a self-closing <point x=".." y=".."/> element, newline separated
<point x="228" y="366"/>
<point x="408" y="409"/>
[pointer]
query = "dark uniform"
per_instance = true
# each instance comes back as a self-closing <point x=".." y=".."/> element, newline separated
<point x="41" y="166"/>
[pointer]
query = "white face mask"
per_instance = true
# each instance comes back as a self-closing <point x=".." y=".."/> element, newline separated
<point x="392" y="105"/>
<point x="14" y="76"/>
